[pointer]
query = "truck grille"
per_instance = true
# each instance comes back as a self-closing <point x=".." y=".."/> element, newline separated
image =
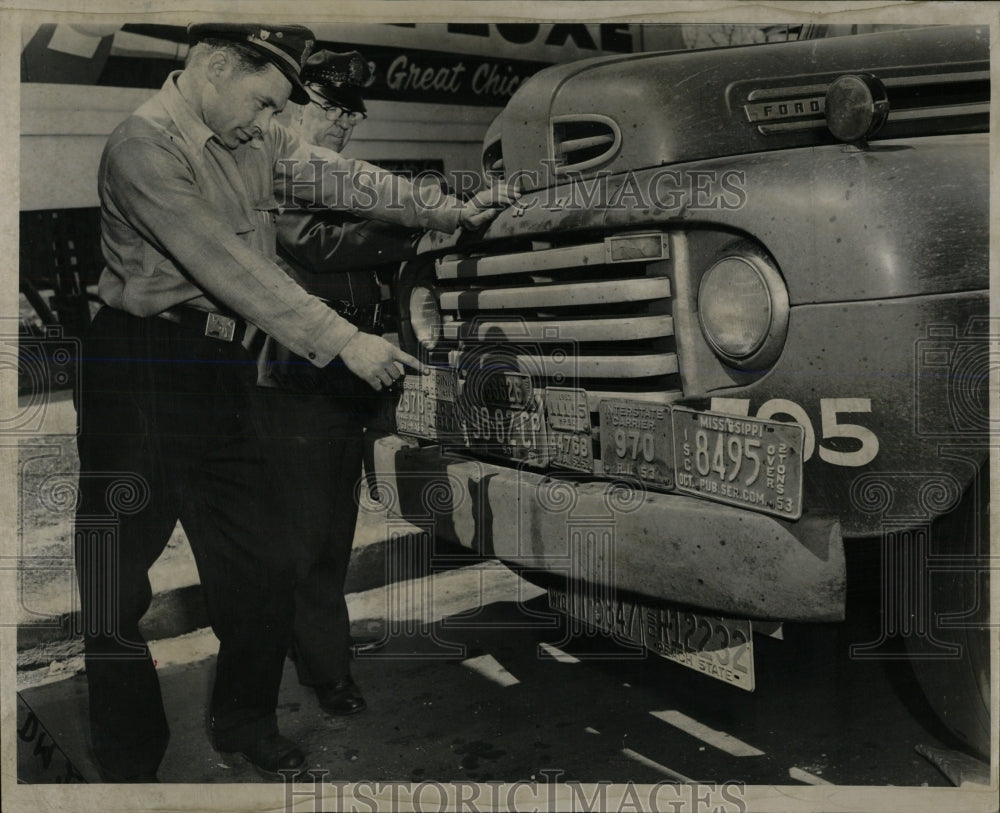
<point x="595" y="316"/>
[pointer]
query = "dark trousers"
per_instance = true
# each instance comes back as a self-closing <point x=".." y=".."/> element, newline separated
<point x="318" y="440"/>
<point x="169" y="429"/>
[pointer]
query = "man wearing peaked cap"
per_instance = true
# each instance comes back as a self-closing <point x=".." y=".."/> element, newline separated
<point x="332" y="254"/>
<point x="287" y="47"/>
<point x="169" y="409"/>
<point x="338" y="78"/>
<point x="334" y="84"/>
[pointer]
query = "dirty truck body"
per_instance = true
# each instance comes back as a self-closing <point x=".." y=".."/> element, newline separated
<point x="738" y="317"/>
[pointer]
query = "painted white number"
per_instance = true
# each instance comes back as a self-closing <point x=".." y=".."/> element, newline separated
<point x="830" y="408"/>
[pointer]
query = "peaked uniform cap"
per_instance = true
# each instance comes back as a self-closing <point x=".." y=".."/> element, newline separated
<point x="287" y="47"/>
<point x="339" y="78"/>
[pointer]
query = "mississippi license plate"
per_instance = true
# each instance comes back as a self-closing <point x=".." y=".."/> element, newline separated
<point x="720" y="648"/>
<point x="636" y="440"/>
<point x="567" y="418"/>
<point x="749" y="462"/>
<point x="426" y="406"/>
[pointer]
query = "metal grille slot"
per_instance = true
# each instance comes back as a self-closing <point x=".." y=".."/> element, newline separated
<point x="493" y="160"/>
<point x="584" y="142"/>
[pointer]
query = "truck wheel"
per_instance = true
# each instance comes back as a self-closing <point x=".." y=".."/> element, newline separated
<point x="958" y="689"/>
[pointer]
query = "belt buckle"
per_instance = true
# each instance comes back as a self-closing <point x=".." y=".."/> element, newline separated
<point x="220" y="327"/>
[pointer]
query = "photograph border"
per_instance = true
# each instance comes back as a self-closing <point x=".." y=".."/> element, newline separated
<point x="18" y="797"/>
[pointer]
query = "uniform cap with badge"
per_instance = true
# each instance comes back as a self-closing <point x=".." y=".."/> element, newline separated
<point x="338" y="78"/>
<point x="287" y="47"/>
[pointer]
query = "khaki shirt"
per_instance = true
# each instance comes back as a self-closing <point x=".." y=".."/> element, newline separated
<point x="185" y="220"/>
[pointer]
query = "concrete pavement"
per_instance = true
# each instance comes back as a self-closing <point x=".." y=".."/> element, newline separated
<point x="383" y="615"/>
<point x="390" y="586"/>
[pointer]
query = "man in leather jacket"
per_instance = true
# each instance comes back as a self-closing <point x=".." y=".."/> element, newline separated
<point x="319" y="422"/>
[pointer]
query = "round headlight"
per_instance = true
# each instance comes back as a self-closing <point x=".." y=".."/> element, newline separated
<point x="425" y="316"/>
<point x="743" y="307"/>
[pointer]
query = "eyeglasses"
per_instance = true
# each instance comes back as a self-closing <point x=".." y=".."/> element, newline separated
<point x="334" y="112"/>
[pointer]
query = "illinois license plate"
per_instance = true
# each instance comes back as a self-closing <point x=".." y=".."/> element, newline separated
<point x="636" y="440"/>
<point x="750" y="462"/>
<point x="720" y="648"/>
<point x="567" y="417"/>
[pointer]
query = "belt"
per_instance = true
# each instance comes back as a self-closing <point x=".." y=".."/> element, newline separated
<point x="227" y="328"/>
<point x="365" y="317"/>
<point x="211" y="324"/>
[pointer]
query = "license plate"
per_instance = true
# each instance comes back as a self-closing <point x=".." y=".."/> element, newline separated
<point x="620" y="619"/>
<point x="437" y="383"/>
<point x="517" y="433"/>
<point x="567" y="418"/>
<point x="636" y="440"/>
<point x="566" y="409"/>
<point x="720" y="648"/>
<point x="571" y="450"/>
<point x="749" y="462"/>
<point x="505" y="389"/>
<point x="426" y="406"/>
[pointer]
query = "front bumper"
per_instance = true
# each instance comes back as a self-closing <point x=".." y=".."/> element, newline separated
<point x="665" y="546"/>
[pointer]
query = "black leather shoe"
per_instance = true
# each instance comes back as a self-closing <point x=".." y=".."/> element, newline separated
<point x="274" y="756"/>
<point x="341" y="697"/>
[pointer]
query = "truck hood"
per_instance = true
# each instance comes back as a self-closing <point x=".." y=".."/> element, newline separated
<point x="612" y="114"/>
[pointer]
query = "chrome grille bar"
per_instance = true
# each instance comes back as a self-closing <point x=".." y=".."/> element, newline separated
<point x="579" y="330"/>
<point x="587" y="366"/>
<point x="521" y="262"/>
<point x="555" y="296"/>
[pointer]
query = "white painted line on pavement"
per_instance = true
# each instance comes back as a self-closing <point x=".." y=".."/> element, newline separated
<point x="656" y="766"/>
<point x="718" y="739"/>
<point x="590" y="730"/>
<point x="800" y="775"/>
<point x="489" y="667"/>
<point x="558" y="654"/>
<point x="430" y="599"/>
